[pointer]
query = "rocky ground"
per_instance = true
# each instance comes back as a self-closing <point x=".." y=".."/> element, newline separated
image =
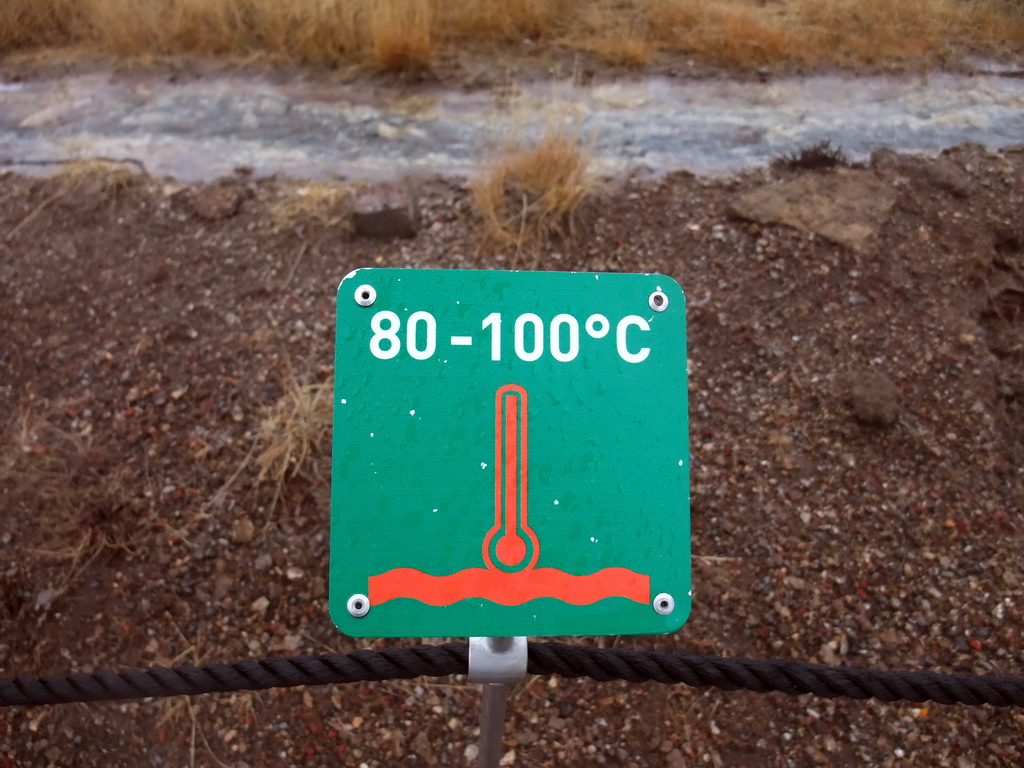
<point x="857" y="428"/>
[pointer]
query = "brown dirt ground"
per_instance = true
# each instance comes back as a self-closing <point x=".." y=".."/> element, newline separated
<point x="142" y="342"/>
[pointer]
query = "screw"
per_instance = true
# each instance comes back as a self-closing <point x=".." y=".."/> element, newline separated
<point x="664" y="604"/>
<point x="359" y="605"/>
<point x="365" y="295"/>
<point x="658" y="301"/>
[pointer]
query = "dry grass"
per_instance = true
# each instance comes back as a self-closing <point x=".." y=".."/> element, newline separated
<point x="320" y="203"/>
<point x="35" y="22"/>
<point x="67" y="496"/>
<point x="485" y="22"/>
<point x="533" y="193"/>
<point x="630" y="50"/>
<point x="614" y="40"/>
<point x="409" y="34"/>
<point x="746" y="34"/>
<point x="816" y="157"/>
<point x="99" y="181"/>
<point x="400" y="35"/>
<point x="293" y="433"/>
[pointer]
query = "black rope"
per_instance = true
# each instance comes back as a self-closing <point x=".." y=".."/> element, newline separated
<point x="783" y="676"/>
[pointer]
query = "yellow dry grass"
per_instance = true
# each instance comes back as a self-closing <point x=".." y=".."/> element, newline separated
<point x="293" y="433"/>
<point x="321" y="203"/>
<point x="746" y="33"/>
<point x="34" y="22"/>
<point x="411" y="34"/>
<point x="483" y="22"/>
<point x="400" y="34"/>
<point x="615" y="40"/>
<point x="530" y="194"/>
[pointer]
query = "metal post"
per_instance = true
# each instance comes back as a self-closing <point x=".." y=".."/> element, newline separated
<point x="492" y="723"/>
<point x="495" y="662"/>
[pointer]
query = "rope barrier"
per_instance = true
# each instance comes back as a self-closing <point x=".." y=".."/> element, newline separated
<point x="783" y="676"/>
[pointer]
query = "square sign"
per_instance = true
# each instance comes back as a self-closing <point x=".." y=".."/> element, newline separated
<point x="510" y="454"/>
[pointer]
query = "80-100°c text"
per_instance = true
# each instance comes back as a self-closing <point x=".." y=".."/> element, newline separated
<point x="562" y="336"/>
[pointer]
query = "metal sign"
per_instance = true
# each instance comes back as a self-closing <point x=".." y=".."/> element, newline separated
<point x="510" y="454"/>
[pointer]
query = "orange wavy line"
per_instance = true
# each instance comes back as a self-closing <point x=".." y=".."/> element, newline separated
<point x="509" y="588"/>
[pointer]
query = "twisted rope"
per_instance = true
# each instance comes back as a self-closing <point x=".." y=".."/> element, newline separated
<point x="783" y="676"/>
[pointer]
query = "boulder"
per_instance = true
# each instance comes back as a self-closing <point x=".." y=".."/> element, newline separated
<point x="846" y="207"/>
<point x="384" y="213"/>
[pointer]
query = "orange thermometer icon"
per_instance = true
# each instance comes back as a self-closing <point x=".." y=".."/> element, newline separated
<point x="511" y="545"/>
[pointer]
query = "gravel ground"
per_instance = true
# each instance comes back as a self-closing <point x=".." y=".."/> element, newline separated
<point x="856" y="428"/>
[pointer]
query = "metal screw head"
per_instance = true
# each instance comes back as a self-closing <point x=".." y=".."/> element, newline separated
<point x="365" y="295"/>
<point x="658" y="301"/>
<point x="664" y="603"/>
<point x="359" y="605"/>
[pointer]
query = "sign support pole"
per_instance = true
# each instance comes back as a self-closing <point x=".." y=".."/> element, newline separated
<point x="492" y="723"/>
<point x="495" y="662"/>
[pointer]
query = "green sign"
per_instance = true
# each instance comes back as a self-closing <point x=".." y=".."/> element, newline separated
<point x="510" y="454"/>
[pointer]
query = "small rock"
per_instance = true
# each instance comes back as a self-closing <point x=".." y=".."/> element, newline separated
<point x="941" y="172"/>
<point x="675" y="759"/>
<point x="243" y="530"/>
<point x="217" y="202"/>
<point x="292" y="642"/>
<point x="263" y="562"/>
<point x="421" y="746"/>
<point x="384" y="213"/>
<point x="472" y="753"/>
<point x="221" y="586"/>
<point x="260" y="604"/>
<point x="509" y="758"/>
<point x="828" y="655"/>
<point x="945" y="175"/>
<point x="873" y="397"/>
<point x="294" y="573"/>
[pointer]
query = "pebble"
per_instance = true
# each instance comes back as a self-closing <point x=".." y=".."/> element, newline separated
<point x="872" y="396"/>
<point x="243" y="530"/>
<point x="263" y="562"/>
<point x="260" y="604"/>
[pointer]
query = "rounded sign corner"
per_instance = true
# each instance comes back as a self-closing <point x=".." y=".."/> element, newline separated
<point x="352" y="276"/>
<point x="670" y="283"/>
<point x="679" y="616"/>
<point x="344" y="621"/>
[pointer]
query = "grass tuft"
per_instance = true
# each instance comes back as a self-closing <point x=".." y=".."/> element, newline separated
<point x="25" y="23"/>
<point x="323" y="204"/>
<point x="534" y="193"/>
<point x="83" y="487"/>
<point x="817" y="157"/>
<point x="293" y="433"/>
<point x="401" y="36"/>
